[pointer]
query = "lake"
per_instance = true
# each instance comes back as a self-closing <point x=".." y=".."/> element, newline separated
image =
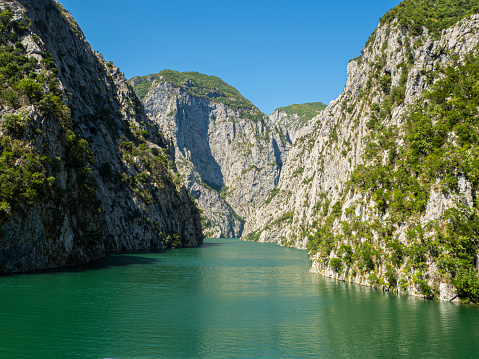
<point x="224" y="299"/>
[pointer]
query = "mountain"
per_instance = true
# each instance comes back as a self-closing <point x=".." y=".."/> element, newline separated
<point x="82" y="169"/>
<point x="381" y="186"/>
<point x="229" y="154"/>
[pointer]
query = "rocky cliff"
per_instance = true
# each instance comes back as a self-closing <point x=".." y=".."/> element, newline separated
<point x="381" y="186"/>
<point x="82" y="169"/>
<point x="291" y="119"/>
<point x="229" y="154"/>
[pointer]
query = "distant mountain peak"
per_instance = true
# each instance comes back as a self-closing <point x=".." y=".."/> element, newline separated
<point x="196" y="84"/>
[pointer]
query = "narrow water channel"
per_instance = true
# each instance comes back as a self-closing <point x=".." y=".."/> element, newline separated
<point x="225" y="299"/>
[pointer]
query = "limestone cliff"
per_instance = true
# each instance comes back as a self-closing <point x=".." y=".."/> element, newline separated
<point x="381" y="186"/>
<point x="83" y="170"/>
<point x="291" y="119"/>
<point x="229" y="154"/>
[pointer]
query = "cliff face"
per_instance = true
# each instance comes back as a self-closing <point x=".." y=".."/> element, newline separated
<point x="291" y="119"/>
<point x="229" y="155"/>
<point x="84" y="170"/>
<point x="381" y="186"/>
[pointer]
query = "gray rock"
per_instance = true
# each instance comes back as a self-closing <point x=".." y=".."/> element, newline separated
<point x="228" y="162"/>
<point x="78" y="221"/>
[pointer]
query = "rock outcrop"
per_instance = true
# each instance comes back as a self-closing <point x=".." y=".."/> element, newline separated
<point x="229" y="154"/>
<point x="291" y="119"/>
<point x="83" y="169"/>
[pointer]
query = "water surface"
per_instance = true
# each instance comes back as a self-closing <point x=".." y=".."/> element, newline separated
<point x="225" y="299"/>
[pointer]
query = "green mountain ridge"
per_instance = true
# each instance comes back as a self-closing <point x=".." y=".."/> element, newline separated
<point x="216" y="90"/>
<point x="196" y="84"/>
<point x="434" y="15"/>
<point x="305" y="111"/>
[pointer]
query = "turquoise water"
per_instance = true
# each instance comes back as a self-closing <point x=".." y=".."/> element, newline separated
<point x="225" y="299"/>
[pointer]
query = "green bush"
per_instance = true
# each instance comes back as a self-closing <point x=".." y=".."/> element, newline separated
<point x="336" y="209"/>
<point x="391" y="276"/>
<point x="336" y="264"/>
<point x="467" y="283"/>
<point x="31" y="88"/>
<point x="14" y="125"/>
<point x="422" y="286"/>
<point x="432" y="14"/>
<point x="374" y="280"/>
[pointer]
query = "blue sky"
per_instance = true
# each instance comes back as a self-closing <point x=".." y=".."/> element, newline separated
<point x="276" y="53"/>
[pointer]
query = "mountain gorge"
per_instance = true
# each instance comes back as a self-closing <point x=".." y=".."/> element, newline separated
<point x="380" y="186"/>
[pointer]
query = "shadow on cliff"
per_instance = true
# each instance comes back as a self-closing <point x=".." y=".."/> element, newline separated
<point x="193" y="141"/>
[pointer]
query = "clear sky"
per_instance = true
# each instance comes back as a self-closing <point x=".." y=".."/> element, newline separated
<point x="275" y="52"/>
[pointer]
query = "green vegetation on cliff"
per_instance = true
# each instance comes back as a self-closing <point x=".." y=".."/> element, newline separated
<point x="142" y="85"/>
<point x="435" y="15"/>
<point x="305" y="111"/>
<point x="25" y="171"/>
<point x="440" y="147"/>
<point x="73" y="145"/>
<point x="196" y="84"/>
